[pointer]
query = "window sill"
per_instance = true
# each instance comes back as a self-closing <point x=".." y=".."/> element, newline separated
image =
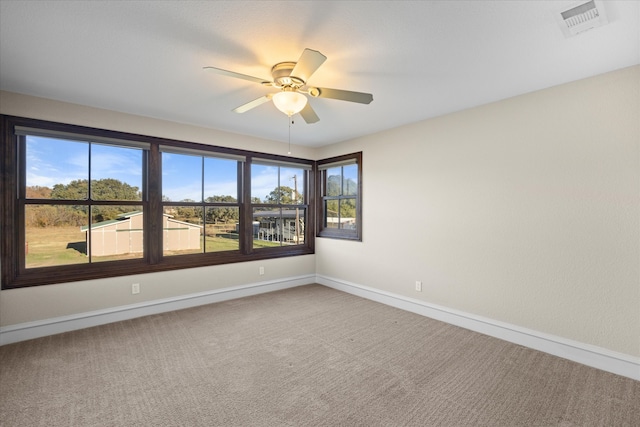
<point x="81" y="272"/>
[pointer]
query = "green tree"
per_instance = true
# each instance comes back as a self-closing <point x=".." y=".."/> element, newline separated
<point x="222" y="214"/>
<point x="191" y="214"/>
<point x="222" y="199"/>
<point x="113" y="189"/>
<point x="284" y="195"/>
<point x="335" y="187"/>
<point x="101" y="189"/>
<point x="75" y="190"/>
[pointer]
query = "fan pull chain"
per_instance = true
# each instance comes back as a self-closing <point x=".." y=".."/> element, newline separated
<point x="290" y="121"/>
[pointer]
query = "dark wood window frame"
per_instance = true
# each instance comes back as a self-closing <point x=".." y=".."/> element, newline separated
<point x="14" y="273"/>
<point x="336" y="233"/>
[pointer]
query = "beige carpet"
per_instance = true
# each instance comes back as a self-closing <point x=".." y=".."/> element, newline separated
<point x="308" y="356"/>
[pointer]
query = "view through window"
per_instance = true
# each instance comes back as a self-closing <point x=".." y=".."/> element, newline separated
<point x="201" y="210"/>
<point x="82" y="202"/>
<point x="279" y="206"/>
<point x="340" y="188"/>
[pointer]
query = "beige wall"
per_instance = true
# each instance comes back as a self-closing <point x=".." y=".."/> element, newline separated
<point x="44" y="302"/>
<point x="45" y="109"/>
<point x="524" y="211"/>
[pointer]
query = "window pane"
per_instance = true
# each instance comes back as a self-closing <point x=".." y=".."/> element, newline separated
<point x="340" y="213"/>
<point x="220" y="180"/>
<point x="53" y="235"/>
<point x="350" y="180"/>
<point x="181" y="177"/>
<point x="266" y="228"/>
<point x="56" y="168"/>
<point x="264" y="183"/>
<point x="331" y="213"/>
<point x="348" y="214"/>
<point x="294" y="226"/>
<point x="333" y="182"/>
<point x="182" y="230"/>
<point x="116" y="173"/>
<point x="276" y="227"/>
<point x="292" y="186"/>
<point x="116" y="233"/>
<point x="222" y="229"/>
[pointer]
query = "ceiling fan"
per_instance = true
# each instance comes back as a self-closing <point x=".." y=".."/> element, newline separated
<point x="291" y="78"/>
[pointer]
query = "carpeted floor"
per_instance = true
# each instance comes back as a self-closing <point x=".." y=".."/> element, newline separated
<point x="307" y="356"/>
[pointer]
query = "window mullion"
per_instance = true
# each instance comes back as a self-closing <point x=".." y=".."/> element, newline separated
<point x="203" y="209"/>
<point x="246" y="210"/>
<point x="89" y="209"/>
<point x="153" y="218"/>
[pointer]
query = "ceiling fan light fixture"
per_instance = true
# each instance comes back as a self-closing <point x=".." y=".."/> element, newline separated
<point x="291" y="79"/>
<point x="289" y="102"/>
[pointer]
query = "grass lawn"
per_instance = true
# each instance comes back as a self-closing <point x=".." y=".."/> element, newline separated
<point x="66" y="245"/>
<point x="55" y="246"/>
<point x="257" y="244"/>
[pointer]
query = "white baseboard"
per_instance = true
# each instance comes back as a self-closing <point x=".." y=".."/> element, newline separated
<point x="596" y="357"/>
<point x="586" y="354"/>
<point x="37" y="329"/>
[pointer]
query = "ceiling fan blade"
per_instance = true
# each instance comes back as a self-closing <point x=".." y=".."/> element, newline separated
<point x="345" y="95"/>
<point x="308" y="63"/>
<point x="309" y="115"/>
<point x="253" y="104"/>
<point x="237" y="75"/>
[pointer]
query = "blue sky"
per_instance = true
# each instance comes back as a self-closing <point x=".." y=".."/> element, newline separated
<point x="53" y="161"/>
<point x="264" y="179"/>
<point x="56" y="161"/>
<point x="182" y="177"/>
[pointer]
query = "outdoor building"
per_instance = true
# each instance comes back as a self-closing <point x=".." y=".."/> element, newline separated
<point x="125" y="235"/>
<point x="345" y="223"/>
<point x="276" y="225"/>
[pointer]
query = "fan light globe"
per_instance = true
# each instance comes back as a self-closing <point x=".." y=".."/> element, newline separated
<point x="289" y="102"/>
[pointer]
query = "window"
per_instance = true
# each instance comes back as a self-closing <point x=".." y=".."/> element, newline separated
<point x="82" y="200"/>
<point x="200" y="199"/>
<point x="278" y="204"/>
<point x="82" y="203"/>
<point x="340" y="191"/>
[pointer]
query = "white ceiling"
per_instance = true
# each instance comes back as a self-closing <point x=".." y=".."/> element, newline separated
<point x="419" y="59"/>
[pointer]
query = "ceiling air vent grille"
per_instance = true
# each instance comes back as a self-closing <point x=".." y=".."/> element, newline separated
<point x="582" y="17"/>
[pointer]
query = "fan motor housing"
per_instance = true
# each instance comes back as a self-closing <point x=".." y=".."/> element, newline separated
<point x="281" y="73"/>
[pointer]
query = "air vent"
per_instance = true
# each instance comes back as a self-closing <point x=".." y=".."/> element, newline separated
<point x="582" y="17"/>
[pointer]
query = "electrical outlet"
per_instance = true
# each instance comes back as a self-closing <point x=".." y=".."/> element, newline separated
<point x="261" y="271"/>
<point x="418" y="286"/>
<point x="135" y="288"/>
